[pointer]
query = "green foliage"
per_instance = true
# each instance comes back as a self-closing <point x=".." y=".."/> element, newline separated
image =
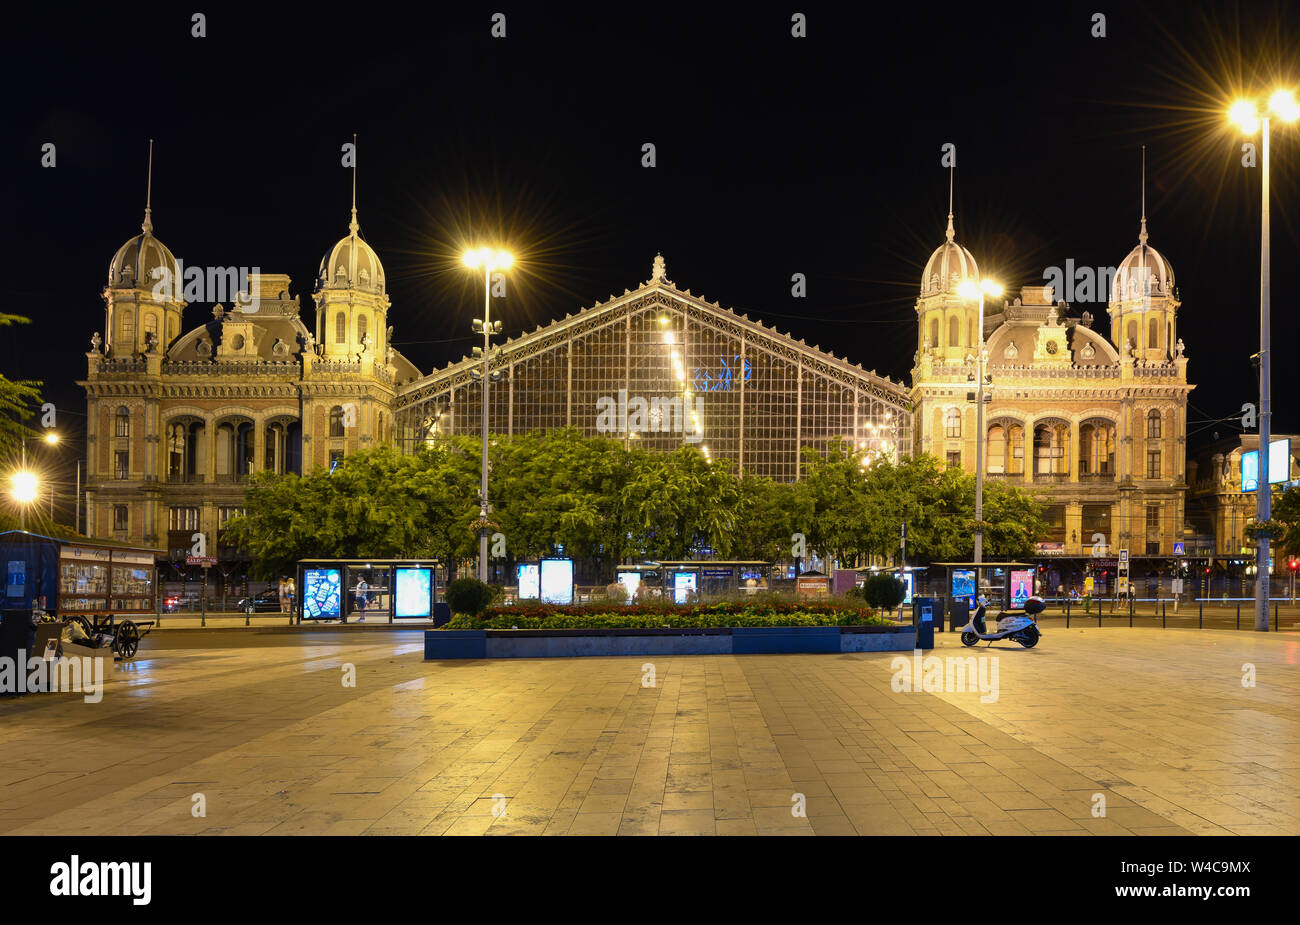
<point x="720" y="614"/>
<point x="603" y="501"/>
<point x="1286" y="510"/>
<point x="18" y="399"/>
<point x="883" y="591"/>
<point x="468" y="596"/>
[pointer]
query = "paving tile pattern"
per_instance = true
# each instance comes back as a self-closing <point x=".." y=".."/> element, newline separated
<point x="1157" y="724"/>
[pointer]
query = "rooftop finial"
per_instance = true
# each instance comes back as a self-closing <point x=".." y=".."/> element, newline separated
<point x="147" y="225"/>
<point x="353" y="226"/>
<point x="952" y="232"/>
<point x="1142" y="235"/>
<point x="658" y="270"/>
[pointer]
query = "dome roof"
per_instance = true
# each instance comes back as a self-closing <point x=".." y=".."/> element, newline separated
<point x="351" y="264"/>
<point x="135" y="261"/>
<point x="948" y="266"/>
<point x="1143" y="263"/>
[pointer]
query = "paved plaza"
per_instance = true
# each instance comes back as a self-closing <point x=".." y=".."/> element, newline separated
<point x="1158" y="724"/>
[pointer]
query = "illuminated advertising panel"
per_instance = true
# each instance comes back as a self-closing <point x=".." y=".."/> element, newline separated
<point x="557" y="581"/>
<point x="1022" y="586"/>
<point x="963" y="583"/>
<point x="683" y="585"/>
<point x="414" y="592"/>
<point x="630" y="581"/>
<point x="530" y="581"/>
<point x="320" y="598"/>
<point x="1279" y="465"/>
<point x="909" y="581"/>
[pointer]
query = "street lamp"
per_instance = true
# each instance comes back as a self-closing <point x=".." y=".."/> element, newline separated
<point x="24" y="487"/>
<point x="1244" y="114"/>
<point x="971" y="291"/>
<point x="487" y="260"/>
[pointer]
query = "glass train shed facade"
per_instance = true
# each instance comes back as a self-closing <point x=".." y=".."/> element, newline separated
<point x="665" y="368"/>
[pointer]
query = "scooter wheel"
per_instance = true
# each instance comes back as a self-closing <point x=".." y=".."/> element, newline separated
<point x="969" y="639"/>
<point x="1029" y="638"/>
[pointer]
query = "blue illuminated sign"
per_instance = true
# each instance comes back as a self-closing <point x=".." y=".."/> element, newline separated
<point x="708" y="381"/>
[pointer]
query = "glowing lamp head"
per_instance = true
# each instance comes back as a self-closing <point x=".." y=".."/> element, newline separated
<point x="968" y="289"/>
<point x="1283" y="105"/>
<point x="51" y="437"/>
<point x="484" y="258"/>
<point x="24" y="487"/>
<point x="991" y="287"/>
<point x="1243" y="115"/>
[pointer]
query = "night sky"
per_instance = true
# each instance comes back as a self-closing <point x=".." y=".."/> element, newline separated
<point x="776" y="155"/>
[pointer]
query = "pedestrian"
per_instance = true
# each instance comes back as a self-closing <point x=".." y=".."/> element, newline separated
<point x="292" y="590"/>
<point x="284" y="595"/>
<point x="362" y="589"/>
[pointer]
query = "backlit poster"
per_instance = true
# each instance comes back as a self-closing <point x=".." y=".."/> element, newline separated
<point x="414" y="592"/>
<point x="909" y="582"/>
<point x="963" y="583"/>
<point x="320" y="599"/>
<point x="683" y="586"/>
<point x="1022" y="586"/>
<point x="630" y="581"/>
<point x="530" y="581"/>
<point x="557" y="581"/>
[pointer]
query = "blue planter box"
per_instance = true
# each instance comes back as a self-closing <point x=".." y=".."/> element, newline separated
<point x="753" y="640"/>
<point x="440" y="644"/>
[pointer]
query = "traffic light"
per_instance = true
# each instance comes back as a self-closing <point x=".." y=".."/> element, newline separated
<point x="1294" y="564"/>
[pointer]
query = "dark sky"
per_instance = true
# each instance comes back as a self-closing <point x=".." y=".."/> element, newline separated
<point x="775" y="155"/>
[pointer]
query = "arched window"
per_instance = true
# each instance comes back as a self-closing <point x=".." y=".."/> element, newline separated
<point x="123" y="421"/>
<point x="336" y="421"/>
<point x="340" y="328"/>
<point x="997" y="448"/>
<point x="1016" y="445"/>
<point x="1133" y="333"/>
<point x="128" y="329"/>
<point x="151" y="324"/>
<point x="934" y="332"/>
<point x="1153" y="424"/>
<point x="1153" y="333"/>
<point x="361" y="327"/>
<point x="952" y="423"/>
<point x="954" y="333"/>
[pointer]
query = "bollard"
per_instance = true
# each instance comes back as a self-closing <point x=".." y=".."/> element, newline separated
<point x="1162" y="616"/>
<point x="1200" y="606"/>
<point x="1275" y="616"/>
<point x="248" y="613"/>
<point x="203" y="611"/>
<point x="1130" y="613"/>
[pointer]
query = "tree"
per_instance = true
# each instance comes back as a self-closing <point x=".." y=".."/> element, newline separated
<point x="675" y="503"/>
<point x="768" y="514"/>
<point x="883" y="591"/>
<point x="1286" y="510"/>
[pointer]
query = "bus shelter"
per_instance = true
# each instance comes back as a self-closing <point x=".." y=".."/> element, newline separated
<point x="687" y="580"/>
<point x="1006" y="584"/>
<point x="355" y="590"/>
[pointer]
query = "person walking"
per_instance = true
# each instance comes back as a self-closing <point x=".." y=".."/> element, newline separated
<point x="291" y="589"/>
<point x="283" y="594"/>
<point x="362" y="599"/>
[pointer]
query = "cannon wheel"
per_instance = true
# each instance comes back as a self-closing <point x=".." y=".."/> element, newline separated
<point x="128" y="639"/>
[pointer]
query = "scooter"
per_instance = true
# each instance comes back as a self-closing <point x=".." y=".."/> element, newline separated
<point x="1018" y="625"/>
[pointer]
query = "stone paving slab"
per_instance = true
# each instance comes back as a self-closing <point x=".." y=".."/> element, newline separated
<point x="1157" y="725"/>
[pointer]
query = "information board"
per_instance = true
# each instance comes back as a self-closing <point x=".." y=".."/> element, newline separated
<point x="414" y="592"/>
<point x="321" y="598"/>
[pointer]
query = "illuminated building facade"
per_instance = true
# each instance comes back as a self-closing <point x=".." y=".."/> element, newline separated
<point x="664" y="368"/>
<point x="1097" y="426"/>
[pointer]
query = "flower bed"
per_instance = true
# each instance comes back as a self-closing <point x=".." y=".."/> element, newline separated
<point x="721" y="614"/>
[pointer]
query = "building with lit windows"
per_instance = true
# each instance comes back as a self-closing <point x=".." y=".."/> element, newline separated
<point x="1096" y="425"/>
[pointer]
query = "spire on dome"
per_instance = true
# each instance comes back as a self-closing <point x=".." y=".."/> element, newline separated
<point x="147" y="225"/>
<point x="1142" y="234"/>
<point x="353" y="227"/>
<point x="952" y="232"/>
<point x="658" y="270"/>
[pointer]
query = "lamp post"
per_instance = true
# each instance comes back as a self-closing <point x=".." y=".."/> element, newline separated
<point x="1283" y="105"/>
<point x="970" y="290"/>
<point x="488" y="261"/>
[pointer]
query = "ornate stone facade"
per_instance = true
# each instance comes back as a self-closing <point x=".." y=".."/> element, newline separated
<point x="1097" y="426"/>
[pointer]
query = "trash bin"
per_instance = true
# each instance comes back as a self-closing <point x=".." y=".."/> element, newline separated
<point x="441" y="613"/>
<point x="15" y="640"/>
<point x="924" y="610"/>
<point x="958" y="613"/>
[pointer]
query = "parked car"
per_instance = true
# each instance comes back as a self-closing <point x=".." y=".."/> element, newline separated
<point x="266" y="602"/>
